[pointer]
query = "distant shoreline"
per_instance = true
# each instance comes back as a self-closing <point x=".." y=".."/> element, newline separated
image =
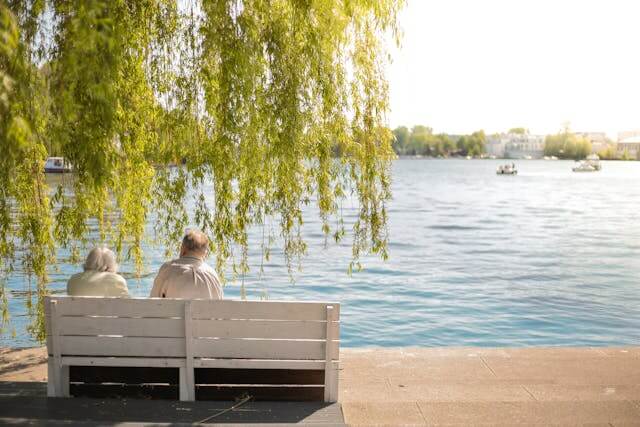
<point x="420" y="157"/>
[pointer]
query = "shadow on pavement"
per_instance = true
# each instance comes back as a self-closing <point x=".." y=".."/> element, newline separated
<point x="26" y="403"/>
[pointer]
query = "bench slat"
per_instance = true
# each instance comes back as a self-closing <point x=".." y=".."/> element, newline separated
<point x="202" y="309"/>
<point x="265" y="310"/>
<point x="262" y="364"/>
<point x="174" y="347"/>
<point x="174" y="328"/>
<point x="285" y="329"/>
<point x="261" y="349"/>
<point x="123" y="361"/>
<point x="122" y="346"/>
<point x="130" y="327"/>
<point x="120" y="307"/>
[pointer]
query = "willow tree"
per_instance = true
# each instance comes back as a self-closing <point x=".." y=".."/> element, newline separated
<point x="276" y="103"/>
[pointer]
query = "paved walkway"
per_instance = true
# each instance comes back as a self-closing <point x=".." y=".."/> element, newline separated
<point x="473" y="386"/>
<point x="464" y="386"/>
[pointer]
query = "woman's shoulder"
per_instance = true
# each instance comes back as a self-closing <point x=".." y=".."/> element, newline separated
<point x="112" y="277"/>
<point x="77" y="277"/>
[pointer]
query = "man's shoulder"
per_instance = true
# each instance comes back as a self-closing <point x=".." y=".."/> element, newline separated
<point x="207" y="268"/>
<point x="169" y="264"/>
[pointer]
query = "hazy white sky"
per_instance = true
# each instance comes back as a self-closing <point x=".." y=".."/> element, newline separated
<point x="466" y="65"/>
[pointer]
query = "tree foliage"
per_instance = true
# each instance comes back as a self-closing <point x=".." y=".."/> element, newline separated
<point x="519" y="131"/>
<point x="254" y="96"/>
<point x="421" y="140"/>
<point x="472" y="145"/>
<point x="567" y="145"/>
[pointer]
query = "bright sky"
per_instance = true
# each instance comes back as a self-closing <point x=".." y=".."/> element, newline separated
<point x="466" y="65"/>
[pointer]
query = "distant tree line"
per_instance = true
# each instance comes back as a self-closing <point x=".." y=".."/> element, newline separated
<point x="421" y="141"/>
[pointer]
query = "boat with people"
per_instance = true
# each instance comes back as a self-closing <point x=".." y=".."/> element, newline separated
<point x="590" y="164"/>
<point x="507" y="169"/>
<point x="56" y="165"/>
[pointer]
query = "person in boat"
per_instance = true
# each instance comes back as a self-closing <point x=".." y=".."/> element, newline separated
<point x="188" y="276"/>
<point x="99" y="278"/>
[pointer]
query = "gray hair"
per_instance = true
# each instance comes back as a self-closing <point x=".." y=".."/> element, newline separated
<point x="101" y="259"/>
<point x="195" y="241"/>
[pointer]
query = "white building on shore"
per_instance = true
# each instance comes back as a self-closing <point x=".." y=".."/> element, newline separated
<point x="629" y="147"/>
<point x="515" y="146"/>
<point x="523" y="146"/>
<point x="494" y="146"/>
<point x="629" y="144"/>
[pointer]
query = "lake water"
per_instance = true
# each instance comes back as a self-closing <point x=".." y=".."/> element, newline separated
<point x="548" y="257"/>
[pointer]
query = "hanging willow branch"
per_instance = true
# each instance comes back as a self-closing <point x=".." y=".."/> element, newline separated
<point x="275" y="103"/>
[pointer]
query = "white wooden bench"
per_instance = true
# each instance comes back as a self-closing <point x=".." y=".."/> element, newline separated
<point x="270" y="350"/>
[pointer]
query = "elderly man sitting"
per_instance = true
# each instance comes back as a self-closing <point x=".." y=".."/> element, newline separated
<point x="188" y="276"/>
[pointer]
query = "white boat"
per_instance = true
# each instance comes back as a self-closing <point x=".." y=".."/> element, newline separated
<point x="594" y="160"/>
<point x="56" y="165"/>
<point x="507" y="170"/>
<point x="583" y="166"/>
<point x="590" y="164"/>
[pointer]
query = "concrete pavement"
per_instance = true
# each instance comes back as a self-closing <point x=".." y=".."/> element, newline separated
<point x="463" y="386"/>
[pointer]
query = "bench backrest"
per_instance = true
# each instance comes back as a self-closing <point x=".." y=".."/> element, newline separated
<point x="158" y="328"/>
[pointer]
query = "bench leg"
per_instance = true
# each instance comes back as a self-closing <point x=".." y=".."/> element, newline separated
<point x="64" y="381"/>
<point x="57" y="379"/>
<point x="51" y="378"/>
<point x="331" y="385"/>
<point x="187" y="386"/>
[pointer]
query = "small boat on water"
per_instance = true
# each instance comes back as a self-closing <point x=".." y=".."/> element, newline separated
<point x="590" y="164"/>
<point x="507" y="170"/>
<point x="56" y="165"/>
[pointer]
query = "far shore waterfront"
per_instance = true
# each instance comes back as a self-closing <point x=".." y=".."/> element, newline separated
<point x="484" y="157"/>
<point x="417" y="386"/>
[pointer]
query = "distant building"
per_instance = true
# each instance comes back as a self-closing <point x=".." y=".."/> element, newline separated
<point x="495" y="146"/>
<point x="628" y="134"/>
<point x="520" y="146"/>
<point x="629" y="146"/>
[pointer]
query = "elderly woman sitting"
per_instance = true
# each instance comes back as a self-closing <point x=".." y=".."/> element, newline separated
<point x="99" y="278"/>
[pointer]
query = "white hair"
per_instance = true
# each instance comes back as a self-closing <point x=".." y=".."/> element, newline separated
<point x="101" y="259"/>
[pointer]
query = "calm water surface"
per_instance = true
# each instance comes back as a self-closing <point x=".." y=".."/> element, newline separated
<point x="548" y="257"/>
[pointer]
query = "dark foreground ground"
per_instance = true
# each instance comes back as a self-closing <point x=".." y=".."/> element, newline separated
<point x="25" y="403"/>
<point x="402" y="386"/>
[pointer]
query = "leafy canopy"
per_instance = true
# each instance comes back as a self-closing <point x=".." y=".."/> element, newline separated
<point x="255" y="97"/>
